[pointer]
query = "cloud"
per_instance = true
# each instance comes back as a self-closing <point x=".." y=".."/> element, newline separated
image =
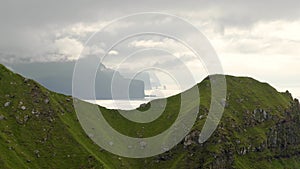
<point x="113" y="52"/>
<point x="71" y="48"/>
<point x="177" y="49"/>
<point x="29" y="29"/>
<point x="254" y="38"/>
<point x="263" y="38"/>
<point x="147" y="43"/>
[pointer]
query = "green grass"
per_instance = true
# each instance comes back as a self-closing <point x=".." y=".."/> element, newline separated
<point x="56" y="134"/>
<point x="252" y="162"/>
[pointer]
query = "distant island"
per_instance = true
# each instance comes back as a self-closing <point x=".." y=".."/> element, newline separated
<point x="57" y="76"/>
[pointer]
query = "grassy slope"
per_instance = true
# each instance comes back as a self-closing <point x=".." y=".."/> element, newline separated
<point x="52" y="130"/>
<point x="51" y="137"/>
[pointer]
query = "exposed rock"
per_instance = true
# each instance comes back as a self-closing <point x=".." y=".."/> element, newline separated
<point x="191" y="138"/>
<point x="46" y="101"/>
<point x="91" y="135"/>
<point x="6" y="104"/>
<point x="23" y="107"/>
<point x="265" y="114"/>
<point x="2" y="117"/>
<point x="26" y="118"/>
<point x="26" y="80"/>
<point x="224" y="103"/>
<point x="200" y="117"/>
<point x="50" y="119"/>
<point x="37" y="153"/>
<point x="164" y="149"/>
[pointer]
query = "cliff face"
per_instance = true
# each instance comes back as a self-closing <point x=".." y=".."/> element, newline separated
<point x="259" y="129"/>
<point x="262" y="135"/>
<point x="57" y="76"/>
<point x="262" y="141"/>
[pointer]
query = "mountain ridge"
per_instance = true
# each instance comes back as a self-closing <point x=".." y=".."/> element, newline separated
<point x="259" y="129"/>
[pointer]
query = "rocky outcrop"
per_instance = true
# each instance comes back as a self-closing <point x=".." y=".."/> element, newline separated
<point x="259" y="125"/>
<point x="279" y="136"/>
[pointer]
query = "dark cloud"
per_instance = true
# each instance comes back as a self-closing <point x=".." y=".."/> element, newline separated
<point x="29" y="28"/>
<point x="37" y="13"/>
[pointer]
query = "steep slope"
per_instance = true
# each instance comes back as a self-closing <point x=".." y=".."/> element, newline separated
<point x="39" y="129"/>
<point x="259" y="129"/>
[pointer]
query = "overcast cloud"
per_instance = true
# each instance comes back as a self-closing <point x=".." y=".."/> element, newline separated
<point x="253" y="38"/>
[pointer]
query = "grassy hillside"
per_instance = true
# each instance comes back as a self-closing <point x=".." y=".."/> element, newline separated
<point x="39" y="129"/>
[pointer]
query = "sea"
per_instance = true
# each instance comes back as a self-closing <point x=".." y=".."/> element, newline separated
<point x="133" y="104"/>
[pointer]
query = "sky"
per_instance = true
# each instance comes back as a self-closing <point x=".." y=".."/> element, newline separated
<point x="253" y="38"/>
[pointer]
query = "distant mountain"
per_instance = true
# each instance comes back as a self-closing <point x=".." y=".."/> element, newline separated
<point x="260" y="128"/>
<point x="57" y="76"/>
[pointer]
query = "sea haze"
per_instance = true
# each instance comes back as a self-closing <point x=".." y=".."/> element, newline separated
<point x="134" y="103"/>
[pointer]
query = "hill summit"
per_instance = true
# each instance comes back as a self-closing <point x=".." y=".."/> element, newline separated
<point x="40" y="129"/>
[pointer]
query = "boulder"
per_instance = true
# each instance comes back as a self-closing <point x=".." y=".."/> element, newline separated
<point x="46" y="101"/>
<point x="37" y="153"/>
<point x="26" y="80"/>
<point x="6" y="104"/>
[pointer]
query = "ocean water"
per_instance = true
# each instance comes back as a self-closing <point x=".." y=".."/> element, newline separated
<point x="120" y="104"/>
<point x="133" y="104"/>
